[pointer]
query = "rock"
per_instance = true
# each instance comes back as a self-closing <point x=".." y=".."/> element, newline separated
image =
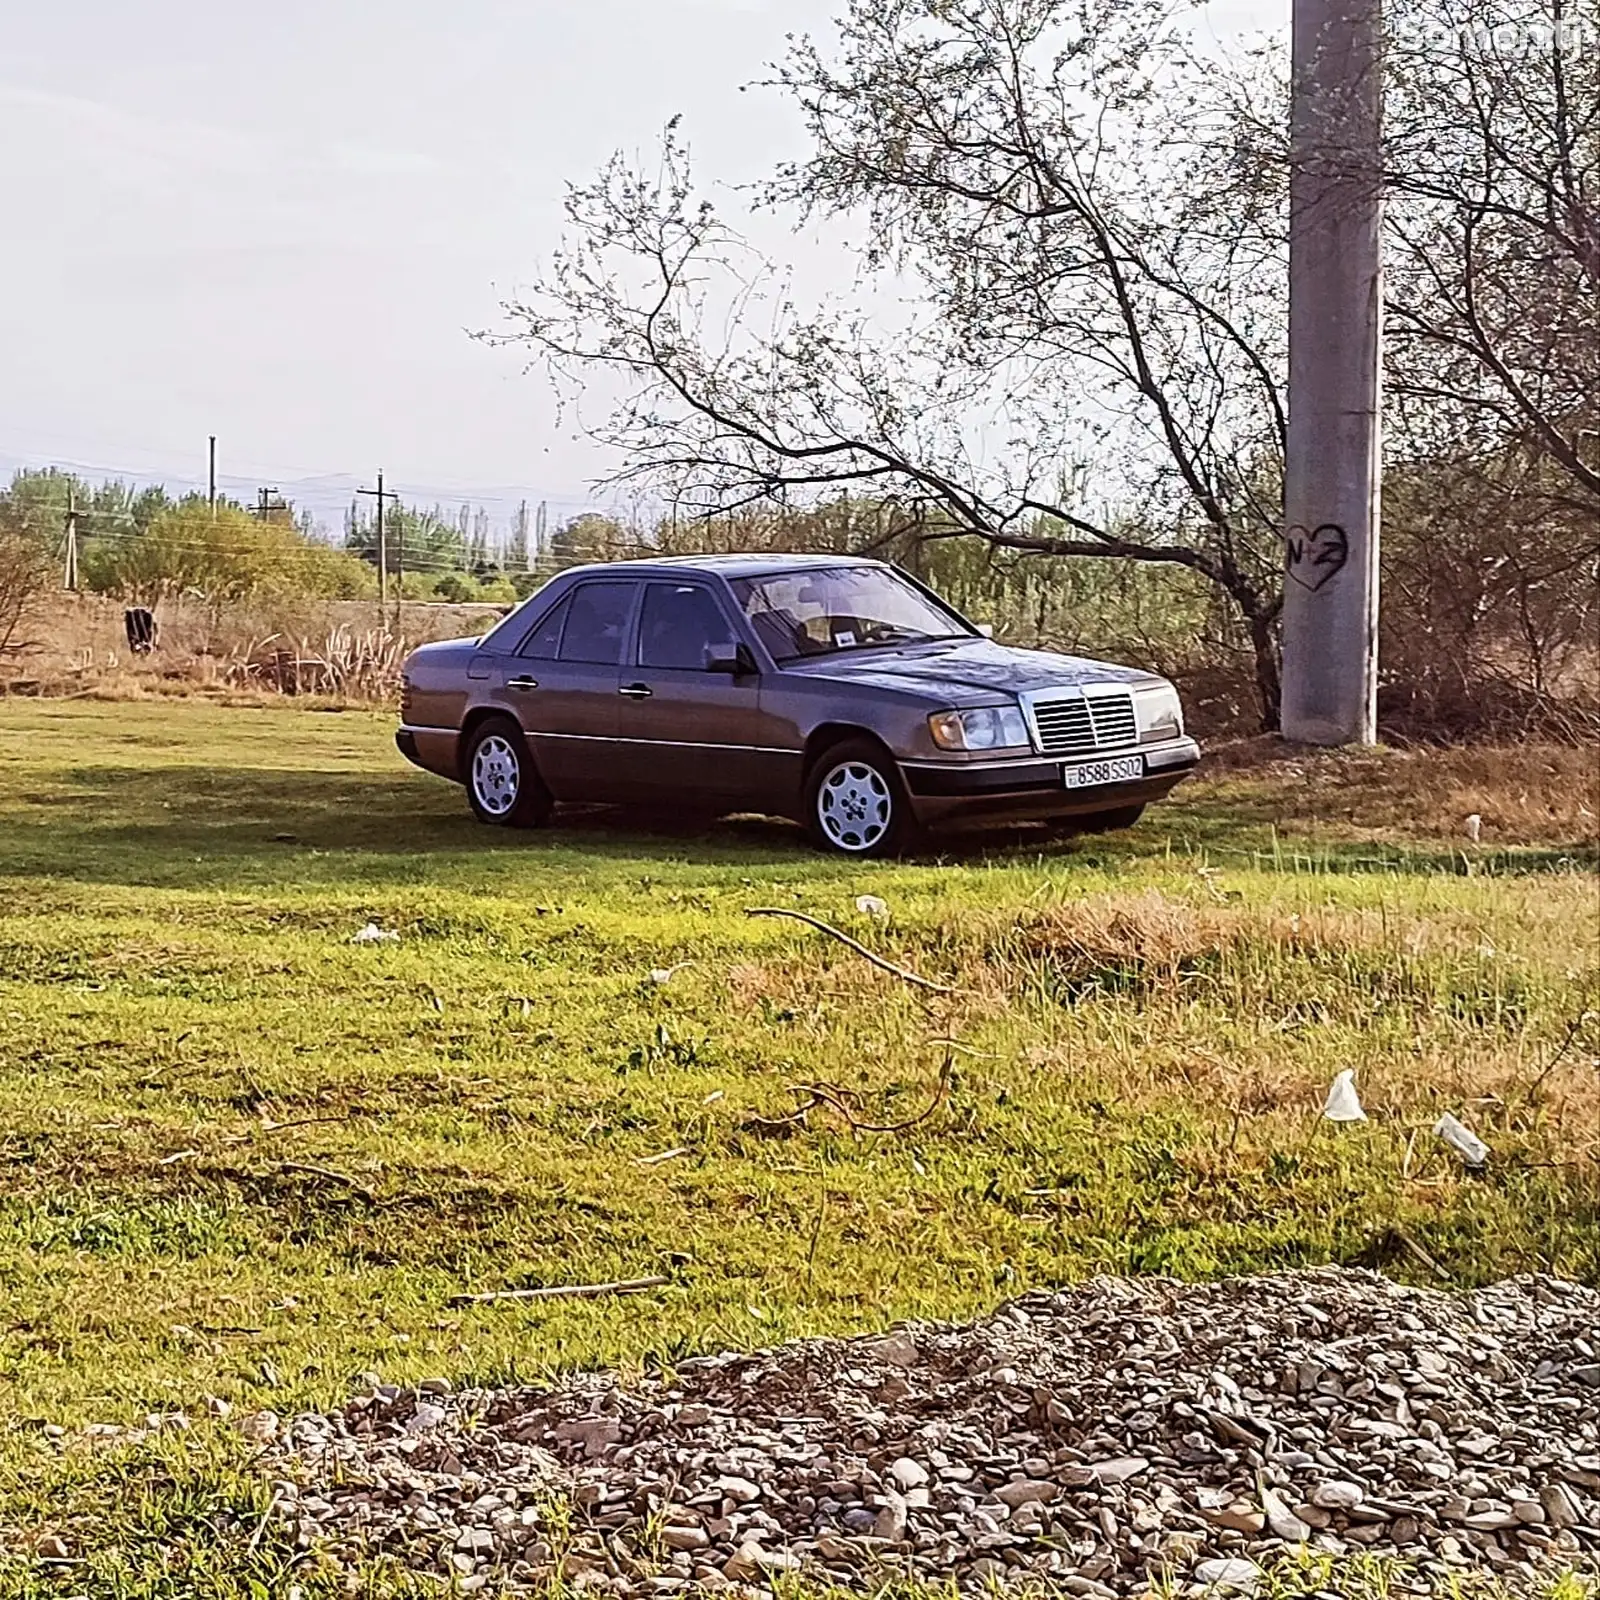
<point x="1337" y="1495"/>
<point x="1228" y="1573"/>
<point x="1527" y="1511"/>
<point x="1241" y="1517"/>
<point x="744" y="1565"/>
<point x="896" y="1349"/>
<point x="681" y="1536"/>
<point x="740" y="1490"/>
<point x="475" y="1542"/>
<point x="52" y="1547"/>
<point x="1280" y="1519"/>
<point x="890" y="1523"/>
<point x="907" y="1473"/>
<point x="1559" y="1509"/>
<point x="1119" y="1469"/>
<point x="260" y="1426"/>
<point x="1022" y="1491"/>
<point x="424" y="1417"/>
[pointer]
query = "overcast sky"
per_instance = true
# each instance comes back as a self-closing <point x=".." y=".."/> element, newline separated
<point x="275" y="222"/>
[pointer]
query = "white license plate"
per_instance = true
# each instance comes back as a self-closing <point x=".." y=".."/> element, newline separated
<point x="1095" y="773"/>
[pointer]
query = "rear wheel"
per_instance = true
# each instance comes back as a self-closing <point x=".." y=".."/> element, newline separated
<point x="503" y="788"/>
<point x="1108" y="821"/>
<point x="855" y="801"/>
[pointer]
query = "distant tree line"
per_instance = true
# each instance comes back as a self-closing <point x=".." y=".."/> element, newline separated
<point x="146" y="546"/>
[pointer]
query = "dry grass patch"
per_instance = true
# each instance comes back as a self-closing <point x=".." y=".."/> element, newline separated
<point x="1523" y="794"/>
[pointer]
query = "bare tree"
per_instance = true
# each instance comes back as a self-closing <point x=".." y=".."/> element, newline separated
<point x="1094" y="363"/>
<point x="26" y="577"/>
<point x="1494" y="174"/>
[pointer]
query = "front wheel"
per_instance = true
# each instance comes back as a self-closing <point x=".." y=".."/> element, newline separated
<point x="855" y="802"/>
<point x="502" y="787"/>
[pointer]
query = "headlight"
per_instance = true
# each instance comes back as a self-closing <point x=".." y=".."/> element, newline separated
<point x="1160" y="714"/>
<point x="985" y="728"/>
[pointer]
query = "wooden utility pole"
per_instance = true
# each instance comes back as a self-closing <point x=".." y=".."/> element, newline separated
<point x="211" y="474"/>
<point x="380" y="494"/>
<point x="1333" y="469"/>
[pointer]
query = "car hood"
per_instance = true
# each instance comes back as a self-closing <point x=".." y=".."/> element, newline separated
<point x="964" y="670"/>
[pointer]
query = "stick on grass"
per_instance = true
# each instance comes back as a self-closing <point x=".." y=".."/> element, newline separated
<point x="860" y="949"/>
<point x="561" y="1291"/>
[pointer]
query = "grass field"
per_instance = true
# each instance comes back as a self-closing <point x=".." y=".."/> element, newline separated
<point x="245" y="1157"/>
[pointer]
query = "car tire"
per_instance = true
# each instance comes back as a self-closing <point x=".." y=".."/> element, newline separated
<point x="503" y="787"/>
<point x="1109" y="821"/>
<point x="856" y="802"/>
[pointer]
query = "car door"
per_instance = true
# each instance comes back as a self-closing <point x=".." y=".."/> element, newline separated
<point x="691" y="734"/>
<point x="562" y="686"/>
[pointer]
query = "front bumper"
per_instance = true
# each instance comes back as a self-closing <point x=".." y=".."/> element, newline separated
<point x="1033" y="787"/>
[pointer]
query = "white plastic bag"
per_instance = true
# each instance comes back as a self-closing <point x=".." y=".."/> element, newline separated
<point x="1474" y="827"/>
<point x="1462" y="1140"/>
<point x="373" y="934"/>
<point x="1344" y="1105"/>
<point x="869" y="905"/>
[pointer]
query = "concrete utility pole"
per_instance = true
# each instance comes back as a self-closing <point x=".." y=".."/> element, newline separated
<point x="1334" y="468"/>
<point x="69" y="576"/>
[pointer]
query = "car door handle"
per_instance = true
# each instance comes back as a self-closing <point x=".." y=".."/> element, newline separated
<point x="636" y="691"/>
<point x="523" y="682"/>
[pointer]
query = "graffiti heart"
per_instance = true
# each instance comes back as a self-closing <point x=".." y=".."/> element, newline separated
<point x="1316" y="555"/>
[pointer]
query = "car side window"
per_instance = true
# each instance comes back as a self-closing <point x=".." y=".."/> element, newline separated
<point x="545" y="640"/>
<point x="677" y="623"/>
<point x="596" y="619"/>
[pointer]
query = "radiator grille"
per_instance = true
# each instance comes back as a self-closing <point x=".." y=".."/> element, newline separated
<point x="1083" y="726"/>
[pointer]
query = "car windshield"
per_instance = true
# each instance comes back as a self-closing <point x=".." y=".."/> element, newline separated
<point x="822" y="610"/>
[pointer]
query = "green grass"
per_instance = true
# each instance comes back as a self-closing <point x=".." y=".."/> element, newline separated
<point x="242" y="1156"/>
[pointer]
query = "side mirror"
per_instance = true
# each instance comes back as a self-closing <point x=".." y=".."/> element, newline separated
<point x="729" y="658"/>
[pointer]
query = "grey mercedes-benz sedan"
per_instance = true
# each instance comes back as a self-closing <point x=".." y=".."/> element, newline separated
<point x="832" y="689"/>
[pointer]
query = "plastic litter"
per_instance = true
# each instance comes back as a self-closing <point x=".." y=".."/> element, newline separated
<point x="1344" y="1104"/>
<point x="373" y="934"/>
<point x="869" y="905"/>
<point x="1474" y="826"/>
<point x="1462" y="1140"/>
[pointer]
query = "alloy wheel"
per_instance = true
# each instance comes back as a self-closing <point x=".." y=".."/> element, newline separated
<point x="854" y="807"/>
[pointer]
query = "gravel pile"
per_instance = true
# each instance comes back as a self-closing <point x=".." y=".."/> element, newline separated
<point x="1096" y="1440"/>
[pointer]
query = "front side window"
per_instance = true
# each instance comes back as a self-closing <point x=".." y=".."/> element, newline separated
<point x="596" y="621"/>
<point x="820" y="611"/>
<point x="677" y="625"/>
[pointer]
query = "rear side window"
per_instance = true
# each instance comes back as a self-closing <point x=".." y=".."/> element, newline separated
<point x="596" y="619"/>
<point x="676" y="625"/>
<point x="545" y="640"/>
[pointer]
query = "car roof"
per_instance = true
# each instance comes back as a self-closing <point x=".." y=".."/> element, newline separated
<point x="748" y="564"/>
